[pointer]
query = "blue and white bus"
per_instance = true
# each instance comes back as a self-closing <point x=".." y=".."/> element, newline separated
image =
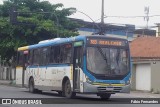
<point x="82" y="64"/>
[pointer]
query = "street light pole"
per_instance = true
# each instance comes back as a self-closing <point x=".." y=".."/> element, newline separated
<point x="87" y="16"/>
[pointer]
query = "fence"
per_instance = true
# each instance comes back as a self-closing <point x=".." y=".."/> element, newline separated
<point x="7" y="72"/>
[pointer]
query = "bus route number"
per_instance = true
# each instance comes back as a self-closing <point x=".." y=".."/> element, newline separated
<point x="92" y="41"/>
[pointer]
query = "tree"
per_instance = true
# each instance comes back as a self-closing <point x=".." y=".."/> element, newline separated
<point x="32" y="24"/>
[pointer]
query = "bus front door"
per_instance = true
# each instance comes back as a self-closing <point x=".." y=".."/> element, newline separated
<point x="77" y="65"/>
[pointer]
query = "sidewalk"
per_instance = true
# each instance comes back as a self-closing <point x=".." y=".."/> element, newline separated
<point x="6" y="82"/>
<point x="139" y="94"/>
<point x="145" y="94"/>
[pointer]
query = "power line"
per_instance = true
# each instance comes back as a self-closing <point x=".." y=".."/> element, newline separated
<point x="130" y="16"/>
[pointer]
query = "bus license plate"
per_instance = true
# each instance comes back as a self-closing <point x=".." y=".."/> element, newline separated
<point x="109" y="88"/>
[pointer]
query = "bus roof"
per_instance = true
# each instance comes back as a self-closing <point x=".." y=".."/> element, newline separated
<point x="58" y="41"/>
<point x="61" y="41"/>
<point x="23" y="48"/>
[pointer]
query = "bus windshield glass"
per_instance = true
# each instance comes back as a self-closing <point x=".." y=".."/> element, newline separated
<point x="107" y="61"/>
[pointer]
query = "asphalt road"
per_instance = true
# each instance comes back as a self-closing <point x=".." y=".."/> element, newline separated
<point x="94" y="101"/>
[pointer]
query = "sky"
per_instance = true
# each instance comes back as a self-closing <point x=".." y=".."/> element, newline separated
<point x="114" y="8"/>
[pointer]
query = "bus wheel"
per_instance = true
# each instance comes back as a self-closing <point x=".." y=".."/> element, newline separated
<point x="31" y="86"/>
<point x="105" y="96"/>
<point x="67" y="90"/>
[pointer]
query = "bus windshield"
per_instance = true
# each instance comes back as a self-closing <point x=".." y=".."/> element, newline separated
<point x="107" y="61"/>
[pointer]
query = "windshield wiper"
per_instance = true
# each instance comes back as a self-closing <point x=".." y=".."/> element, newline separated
<point x="106" y="60"/>
<point x="103" y="55"/>
<point x="118" y="55"/>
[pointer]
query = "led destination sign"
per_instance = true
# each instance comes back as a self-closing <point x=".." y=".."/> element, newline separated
<point x="106" y="42"/>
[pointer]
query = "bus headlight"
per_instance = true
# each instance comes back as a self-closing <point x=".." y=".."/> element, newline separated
<point x="128" y="82"/>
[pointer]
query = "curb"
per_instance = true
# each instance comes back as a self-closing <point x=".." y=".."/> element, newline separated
<point x="9" y="82"/>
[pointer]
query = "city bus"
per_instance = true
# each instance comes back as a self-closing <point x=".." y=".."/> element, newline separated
<point x="83" y="64"/>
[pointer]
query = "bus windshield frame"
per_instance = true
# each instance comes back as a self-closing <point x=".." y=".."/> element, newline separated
<point x="108" y="58"/>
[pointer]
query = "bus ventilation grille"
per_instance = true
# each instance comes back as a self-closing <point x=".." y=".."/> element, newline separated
<point x="109" y="89"/>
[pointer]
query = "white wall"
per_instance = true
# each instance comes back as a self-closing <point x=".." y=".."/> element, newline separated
<point x="143" y="77"/>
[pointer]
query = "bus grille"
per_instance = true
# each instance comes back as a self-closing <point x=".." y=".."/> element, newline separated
<point x="109" y="89"/>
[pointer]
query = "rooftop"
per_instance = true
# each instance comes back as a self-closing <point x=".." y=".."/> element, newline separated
<point x="145" y="47"/>
<point x="149" y="32"/>
<point x="107" y="26"/>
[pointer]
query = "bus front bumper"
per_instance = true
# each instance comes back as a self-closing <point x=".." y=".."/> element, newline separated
<point x="90" y="88"/>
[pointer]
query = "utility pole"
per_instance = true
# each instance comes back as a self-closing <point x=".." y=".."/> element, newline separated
<point x="102" y="13"/>
<point x="102" y="29"/>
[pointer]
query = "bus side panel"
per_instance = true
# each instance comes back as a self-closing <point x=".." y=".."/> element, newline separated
<point x="19" y="71"/>
<point x="38" y="73"/>
<point x="49" y="78"/>
<point x="56" y="75"/>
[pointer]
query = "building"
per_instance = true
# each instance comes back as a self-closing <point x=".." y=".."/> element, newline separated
<point x="145" y="53"/>
<point x="113" y="30"/>
<point x="144" y="32"/>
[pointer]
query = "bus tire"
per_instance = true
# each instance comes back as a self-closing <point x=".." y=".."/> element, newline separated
<point x="31" y="86"/>
<point x="104" y="96"/>
<point x="67" y="90"/>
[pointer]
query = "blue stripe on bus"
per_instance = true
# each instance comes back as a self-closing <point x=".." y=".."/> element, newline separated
<point x="51" y="65"/>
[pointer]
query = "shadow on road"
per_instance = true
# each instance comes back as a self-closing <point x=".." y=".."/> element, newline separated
<point x="58" y="99"/>
<point x="54" y="94"/>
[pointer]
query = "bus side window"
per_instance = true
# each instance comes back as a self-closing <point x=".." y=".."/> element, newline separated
<point x="66" y="53"/>
<point x="44" y="56"/>
<point x="30" y="57"/>
<point x="36" y="57"/>
<point x="61" y="54"/>
<point x="20" y="58"/>
<point x="57" y="54"/>
<point x="52" y="50"/>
